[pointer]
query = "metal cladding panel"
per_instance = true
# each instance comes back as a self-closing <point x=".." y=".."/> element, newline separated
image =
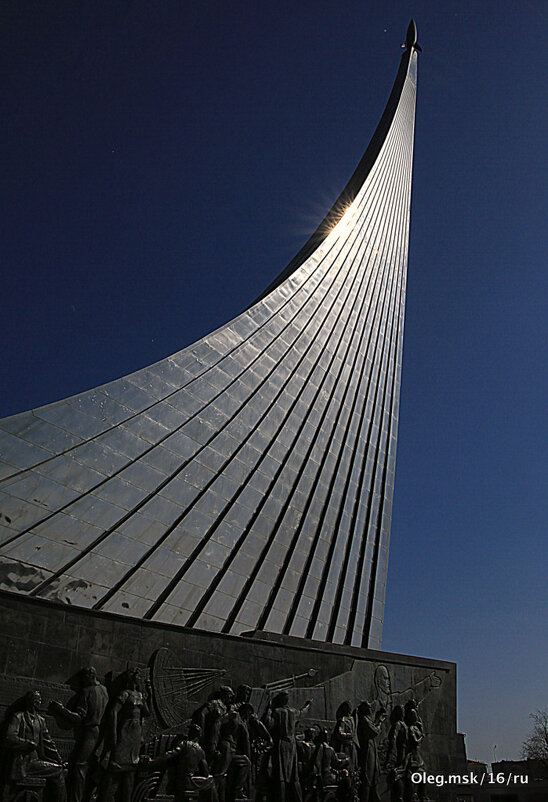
<point x="245" y="482"/>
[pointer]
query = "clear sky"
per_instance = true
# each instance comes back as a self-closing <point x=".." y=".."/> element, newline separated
<point x="164" y="161"/>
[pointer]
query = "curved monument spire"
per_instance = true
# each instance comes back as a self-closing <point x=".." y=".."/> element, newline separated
<point x="246" y="481"/>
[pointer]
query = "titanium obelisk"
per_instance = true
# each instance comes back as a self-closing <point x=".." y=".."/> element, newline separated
<point x="246" y="481"/>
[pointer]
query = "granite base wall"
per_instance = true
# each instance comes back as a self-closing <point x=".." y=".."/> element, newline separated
<point x="47" y="643"/>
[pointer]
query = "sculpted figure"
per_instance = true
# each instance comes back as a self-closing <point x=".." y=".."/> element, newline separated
<point x="242" y="696"/>
<point x="383" y="686"/>
<point x="328" y="769"/>
<point x="252" y="733"/>
<point x="368" y="728"/>
<point x="90" y="706"/>
<point x="281" y="721"/>
<point x="223" y="757"/>
<point x="386" y="697"/>
<point x="324" y="760"/>
<point x="260" y="746"/>
<point x="305" y="752"/>
<point x="34" y="752"/>
<point x="415" y="735"/>
<point x="251" y="737"/>
<point x="124" y="740"/>
<point x="396" y="758"/>
<point x="209" y="718"/>
<point x="191" y="769"/>
<point x="345" y="738"/>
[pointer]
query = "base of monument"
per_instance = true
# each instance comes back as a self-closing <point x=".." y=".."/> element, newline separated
<point x="47" y="643"/>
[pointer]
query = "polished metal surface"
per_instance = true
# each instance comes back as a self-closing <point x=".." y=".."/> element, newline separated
<point x="245" y="482"/>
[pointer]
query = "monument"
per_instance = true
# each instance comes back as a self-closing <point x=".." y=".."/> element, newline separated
<point x="228" y="509"/>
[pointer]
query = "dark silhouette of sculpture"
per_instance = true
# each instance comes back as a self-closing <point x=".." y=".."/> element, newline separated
<point x="89" y="707"/>
<point x="344" y="738"/>
<point x="235" y="756"/>
<point x="250" y="737"/>
<point x="414" y="763"/>
<point x="260" y="744"/>
<point x="225" y="720"/>
<point x="209" y="717"/>
<point x="281" y="721"/>
<point x="396" y="758"/>
<point x="33" y="752"/>
<point x="330" y="775"/>
<point x="123" y="743"/>
<point x="254" y="730"/>
<point x="305" y="752"/>
<point x="368" y="728"/>
<point x="223" y="756"/>
<point x="324" y="761"/>
<point x="411" y="38"/>
<point x="242" y="696"/>
<point x="192" y="775"/>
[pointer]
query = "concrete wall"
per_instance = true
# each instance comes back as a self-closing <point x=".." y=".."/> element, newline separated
<point x="45" y="643"/>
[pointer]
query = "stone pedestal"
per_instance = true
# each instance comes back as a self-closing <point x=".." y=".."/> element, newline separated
<point x="46" y="644"/>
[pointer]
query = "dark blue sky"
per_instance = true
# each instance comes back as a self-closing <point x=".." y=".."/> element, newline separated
<point x="164" y="161"/>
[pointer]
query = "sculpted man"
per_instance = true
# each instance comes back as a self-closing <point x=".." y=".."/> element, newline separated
<point x="325" y="762"/>
<point x="191" y="768"/>
<point x="90" y="706"/>
<point x="396" y="758"/>
<point x="209" y="717"/>
<point x="345" y="738"/>
<point x="415" y="763"/>
<point x="34" y="752"/>
<point x="368" y="728"/>
<point x="281" y="722"/>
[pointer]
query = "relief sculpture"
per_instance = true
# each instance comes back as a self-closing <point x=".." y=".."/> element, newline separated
<point x="32" y="760"/>
<point x="221" y="748"/>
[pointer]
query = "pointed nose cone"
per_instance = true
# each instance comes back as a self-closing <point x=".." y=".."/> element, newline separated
<point x="411" y="38"/>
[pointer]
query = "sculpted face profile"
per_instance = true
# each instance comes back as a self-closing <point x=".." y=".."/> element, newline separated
<point x="415" y="694"/>
<point x="382" y="681"/>
<point x="89" y="676"/>
<point x="33" y="700"/>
